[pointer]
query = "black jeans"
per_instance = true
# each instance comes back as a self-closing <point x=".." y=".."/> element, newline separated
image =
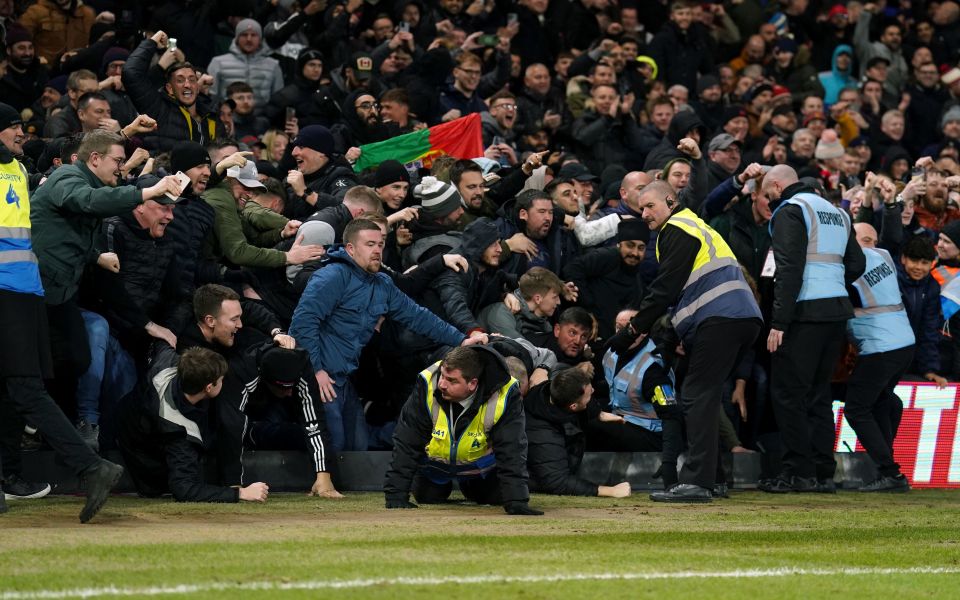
<point x="718" y="346"/>
<point x="482" y="490"/>
<point x="871" y="407"/>
<point x="800" y="390"/>
<point x="29" y="399"/>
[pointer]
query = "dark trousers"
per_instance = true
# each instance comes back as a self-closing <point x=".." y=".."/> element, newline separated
<point x="29" y="399"/>
<point x="621" y="437"/>
<point x="70" y="347"/>
<point x="718" y="346"/>
<point x="482" y="490"/>
<point x="871" y="407"/>
<point x="800" y="389"/>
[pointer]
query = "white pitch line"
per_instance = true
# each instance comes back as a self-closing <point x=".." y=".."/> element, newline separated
<point x="339" y="584"/>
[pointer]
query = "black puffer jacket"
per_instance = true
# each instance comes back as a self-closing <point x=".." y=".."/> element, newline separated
<point x="192" y="223"/>
<point x="507" y="437"/>
<point x="331" y="183"/>
<point x="790" y="255"/>
<point x="556" y="442"/>
<point x="172" y="124"/>
<point x="148" y="285"/>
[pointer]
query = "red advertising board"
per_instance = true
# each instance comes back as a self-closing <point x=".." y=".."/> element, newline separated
<point x="928" y="441"/>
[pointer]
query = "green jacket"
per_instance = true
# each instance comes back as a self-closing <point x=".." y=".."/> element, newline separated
<point x="66" y="212"/>
<point x="228" y="244"/>
<point x="261" y="225"/>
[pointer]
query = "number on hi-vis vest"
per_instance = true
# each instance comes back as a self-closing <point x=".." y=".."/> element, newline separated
<point x="927" y="445"/>
<point x="12" y="197"/>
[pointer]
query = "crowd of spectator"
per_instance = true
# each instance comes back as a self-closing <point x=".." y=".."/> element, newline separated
<point x="192" y="188"/>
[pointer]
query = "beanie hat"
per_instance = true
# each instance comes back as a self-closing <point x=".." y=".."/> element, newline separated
<point x="952" y="231"/>
<point x="951" y="115"/>
<point x="732" y="112"/>
<point x="829" y="146"/>
<point x="779" y="20"/>
<point x="437" y="199"/>
<point x="265" y="167"/>
<point x="17" y="33"/>
<point x="245" y="25"/>
<point x="58" y="83"/>
<point x="785" y="44"/>
<point x="112" y="55"/>
<point x="390" y="171"/>
<point x="649" y="61"/>
<point x="314" y="233"/>
<point x="187" y="155"/>
<point x="633" y="230"/>
<point x="9" y="116"/>
<point x="315" y="137"/>
<point x="706" y="82"/>
<point x="282" y="367"/>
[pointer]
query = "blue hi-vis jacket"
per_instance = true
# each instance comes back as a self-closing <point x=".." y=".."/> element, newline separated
<point x="626" y="386"/>
<point x="881" y="323"/>
<point x="828" y="229"/>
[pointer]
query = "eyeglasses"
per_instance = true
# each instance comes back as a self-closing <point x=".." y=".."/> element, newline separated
<point x="119" y="160"/>
<point x="471" y="72"/>
<point x="368" y="105"/>
<point x="506" y="106"/>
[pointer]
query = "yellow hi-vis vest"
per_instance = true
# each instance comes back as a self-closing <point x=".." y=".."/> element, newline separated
<point x="471" y="455"/>
<point x="715" y="287"/>
<point x="18" y="264"/>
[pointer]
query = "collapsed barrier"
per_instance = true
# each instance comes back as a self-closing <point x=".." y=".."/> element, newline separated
<point x="927" y="447"/>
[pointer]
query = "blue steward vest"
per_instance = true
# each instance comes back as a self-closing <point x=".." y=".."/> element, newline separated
<point x="626" y="386"/>
<point x="881" y="324"/>
<point x="828" y="229"/>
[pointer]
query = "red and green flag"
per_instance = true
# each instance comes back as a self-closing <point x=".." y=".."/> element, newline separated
<point x="460" y="138"/>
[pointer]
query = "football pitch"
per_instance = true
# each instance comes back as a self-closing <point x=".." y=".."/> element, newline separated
<point x="750" y="546"/>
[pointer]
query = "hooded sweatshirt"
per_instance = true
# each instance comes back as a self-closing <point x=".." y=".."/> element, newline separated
<point x="666" y="150"/>
<point x="835" y="80"/>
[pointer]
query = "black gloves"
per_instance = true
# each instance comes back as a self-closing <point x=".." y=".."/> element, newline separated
<point x="520" y="508"/>
<point x="621" y="341"/>
<point x="404" y="503"/>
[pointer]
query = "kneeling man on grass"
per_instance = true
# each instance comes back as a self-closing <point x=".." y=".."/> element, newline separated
<point x="464" y="421"/>
<point x="166" y="431"/>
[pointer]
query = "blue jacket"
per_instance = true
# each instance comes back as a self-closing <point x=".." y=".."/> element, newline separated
<point x="340" y="307"/>
<point x="922" y="302"/>
<point x="835" y="80"/>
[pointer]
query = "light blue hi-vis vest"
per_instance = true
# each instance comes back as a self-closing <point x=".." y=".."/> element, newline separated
<point x="626" y="386"/>
<point x="18" y="264"/>
<point x="881" y="325"/>
<point x="828" y="229"/>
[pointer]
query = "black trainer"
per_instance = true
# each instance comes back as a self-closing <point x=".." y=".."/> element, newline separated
<point x="898" y="484"/>
<point x="684" y="492"/>
<point x="783" y="484"/>
<point x="16" y="488"/>
<point x="99" y="480"/>
<point x="826" y="486"/>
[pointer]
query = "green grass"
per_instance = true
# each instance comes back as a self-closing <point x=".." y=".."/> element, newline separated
<point x="138" y="543"/>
